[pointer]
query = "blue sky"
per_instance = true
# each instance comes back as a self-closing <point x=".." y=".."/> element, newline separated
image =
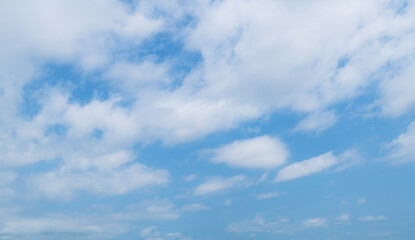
<point x="207" y="120"/>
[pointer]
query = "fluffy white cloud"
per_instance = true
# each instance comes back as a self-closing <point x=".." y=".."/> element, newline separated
<point x="403" y="146"/>
<point x="306" y="167"/>
<point x="295" y="64"/>
<point x="216" y="184"/>
<point x="260" y="152"/>
<point x="75" y="30"/>
<point x="371" y="218"/>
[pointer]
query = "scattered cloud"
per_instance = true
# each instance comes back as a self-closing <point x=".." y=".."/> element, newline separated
<point x="159" y="210"/>
<point x="402" y="149"/>
<point x="317" y="122"/>
<point x="259" y="224"/>
<point x="343" y="218"/>
<point x="306" y="167"/>
<point x="263" y="178"/>
<point x="371" y="218"/>
<point x="190" y="178"/>
<point x="216" y="184"/>
<point x="315" y="222"/>
<point x="361" y="201"/>
<point x="259" y="152"/>
<point x="268" y="195"/>
<point x="64" y="184"/>
<point x="194" y="207"/>
<point x="151" y="233"/>
<point x="227" y="202"/>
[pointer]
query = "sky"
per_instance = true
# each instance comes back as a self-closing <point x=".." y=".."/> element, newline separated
<point x="207" y="119"/>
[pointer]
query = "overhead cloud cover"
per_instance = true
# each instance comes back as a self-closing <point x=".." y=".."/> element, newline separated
<point x="140" y="119"/>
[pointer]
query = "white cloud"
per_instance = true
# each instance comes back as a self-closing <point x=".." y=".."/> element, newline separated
<point x="60" y="226"/>
<point x="348" y="159"/>
<point x="318" y="122"/>
<point x="158" y="210"/>
<point x="361" y="201"/>
<point x="268" y="195"/>
<point x="371" y="218"/>
<point x="263" y="178"/>
<point x="260" y="152"/>
<point x="259" y="224"/>
<point x="194" y="207"/>
<point x="131" y="77"/>
<point x="295" y="65"/>
<point x="403" y="146"/>
<point x="95" y="223"/>
<point x="216" y="184"/>
<point x="343" y="218"/>
<point x="315" y="222"/>
<point x="190" y="177"/>
<point x="56" y="34"/>
<point x="397" y="93"/>
<point x="6" y="178"/>
<point x="283" y="225"/>
<point x="63" y="184"/>
<point x="306" y="167"/>
<point x="151" y="233"/>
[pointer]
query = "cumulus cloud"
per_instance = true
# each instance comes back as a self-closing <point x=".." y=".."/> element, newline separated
<point x="306" y="167"/>
<point x="260" y="152"/>
<point x="216" y="184"/>
<point x="250" y="65"/>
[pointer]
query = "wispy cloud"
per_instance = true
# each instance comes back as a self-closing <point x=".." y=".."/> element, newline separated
<point x="216" y="184"/>
<point x="268" y="195"/>
<point x="306" y="167"/>
<point x="371" y="218"/>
